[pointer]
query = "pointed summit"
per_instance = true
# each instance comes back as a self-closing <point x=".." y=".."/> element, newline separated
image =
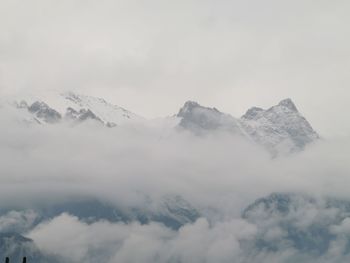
<point x="288" y="103"/>
<point x="252" y="113"/>
<point x="188" y="107"/>
<point x="200" y="119"/>
<point x="281" y="128"/>
<point x="44" y="112"/>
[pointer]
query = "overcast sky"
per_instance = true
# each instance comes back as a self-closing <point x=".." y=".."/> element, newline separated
<point x="151" y="56"/>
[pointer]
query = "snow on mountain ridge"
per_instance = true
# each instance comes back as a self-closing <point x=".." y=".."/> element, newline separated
<point x="52" y="107"/>
<point x="279" y="129"/>
<point x="107" y="112"/>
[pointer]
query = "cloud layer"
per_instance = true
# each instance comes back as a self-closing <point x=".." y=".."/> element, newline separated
<point x="219" y="174"/>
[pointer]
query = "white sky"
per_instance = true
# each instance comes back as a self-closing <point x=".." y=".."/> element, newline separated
<point x="151" y="56"/>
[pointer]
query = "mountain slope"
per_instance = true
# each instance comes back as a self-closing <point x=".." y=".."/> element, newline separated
<point x="280" y="129"/>
<point x="55" y="108"/>
<point x="199" y="119"/>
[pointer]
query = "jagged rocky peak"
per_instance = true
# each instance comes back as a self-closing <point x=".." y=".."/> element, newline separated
<point x="54" y="107"/>
<point x="190" y="106"/>
<point x="43" y="112"/>
<point x="88" y="114"/>
<point x="199" y="119"/>
<point x="187" y="108"/>
<point x="280" y="128"/>
<point x="81" y="115"/>
<point x="99" y="109"/>
<point x="289" y="104"/>
<point x="252" y="113"/>
<point x="71" y="113"/>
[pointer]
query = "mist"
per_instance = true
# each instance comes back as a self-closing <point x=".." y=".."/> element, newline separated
<point x="219" y="174"/>
<point x="236" y="202"/>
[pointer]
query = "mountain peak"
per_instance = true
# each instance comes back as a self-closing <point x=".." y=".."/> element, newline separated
<point x="52" y="107"/>
<point x="200" y="119"/>
<point x="191" y="103"/>
<point x="188" y="107"/>
<point x="280" y="128"/>
<point x="252" y="113"/>
<point x="288" y="103"/>
<point x="44" y="112"/>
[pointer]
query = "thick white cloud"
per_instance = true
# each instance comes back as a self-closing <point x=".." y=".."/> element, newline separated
<point x="219" y="174"/>
<point x="198" y="242"/>
<point x="119" y="164"/>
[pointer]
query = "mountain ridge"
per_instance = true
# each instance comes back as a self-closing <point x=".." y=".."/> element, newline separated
<point x="280" y="129"/>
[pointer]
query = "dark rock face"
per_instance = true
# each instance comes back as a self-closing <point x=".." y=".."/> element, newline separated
<point x="88" y="115"/>
<point x="82" y="115"/>
<point x="288" y="103"/>
<point x="199" y="119"/>
<point x="43" y="112"/>
<point x="252" y="113"/>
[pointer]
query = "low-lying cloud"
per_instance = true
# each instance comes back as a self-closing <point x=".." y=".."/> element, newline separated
<point x="219" y="174"/>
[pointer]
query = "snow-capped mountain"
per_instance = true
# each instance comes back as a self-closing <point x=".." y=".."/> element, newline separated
<point x="280" y="129"/>
<point x="54" y="108"/>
